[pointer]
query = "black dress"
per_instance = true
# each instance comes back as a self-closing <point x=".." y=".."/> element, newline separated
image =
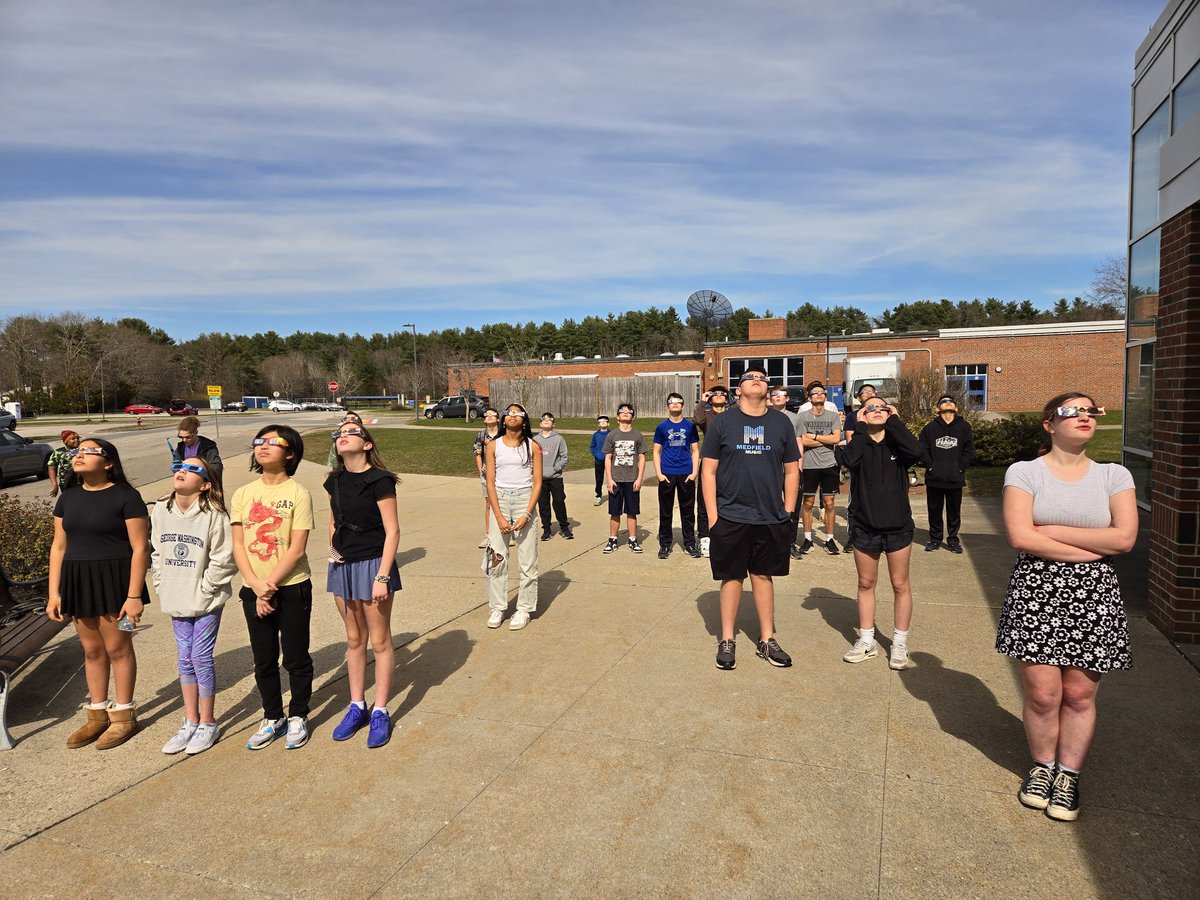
<point x="96" y="567"/>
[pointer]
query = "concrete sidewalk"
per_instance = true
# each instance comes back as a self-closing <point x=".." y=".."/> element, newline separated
<point x="599" y="752"/>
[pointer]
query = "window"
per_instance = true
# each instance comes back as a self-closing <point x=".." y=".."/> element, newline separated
<point x="1146" y="143"/>
<point x="1143" y="284"/>
<point x="782" y="370"/>
<point x="971" y="381"/>
<point x="1187" y="99"/>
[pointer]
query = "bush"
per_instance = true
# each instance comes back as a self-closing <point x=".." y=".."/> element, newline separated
<point x="26" y="532"/>
<point x="1005" y="441"/>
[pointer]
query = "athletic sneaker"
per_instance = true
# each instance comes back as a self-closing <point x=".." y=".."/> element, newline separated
<point x="354" y="719"/>
<point x="846" y="548"/>
<point x="178" y="743"/>
<point x="899" y="656"/>
<point x="933" y="545"/>
<point x="726" y="658"/>
<point x="796" y="552"/>
<point x="806" y="546"/>
<point x="546" y="535"/>
<point x="267" y="732"/>
<point x="692" y="550"/>
<point x="297" y="732"/>
<point x="704" y="547"/>
<point x="567" y="533"/>
<point x="599" y="500"/>
<point x="519" y="620"/>
<point x="634" y="545"/>
<point x="773" y="653"/>
<point x="205" y="737"/>
<point x="495" y="617"/>
<point x="1035" y="792"/>
<point x="611" y="545"/>
<point x="664" y="551"/>
<point x="1064" y="797"/>
<point x="954" y="545"/>
<point x="861" y="651"/>
<point x="831" y="547"/>
<point x="381" y="729"/>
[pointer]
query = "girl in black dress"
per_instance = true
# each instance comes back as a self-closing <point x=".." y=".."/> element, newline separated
<point x="98" y="567"/>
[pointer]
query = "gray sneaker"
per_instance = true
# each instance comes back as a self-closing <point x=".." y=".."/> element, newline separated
<point x="297" y="732"/>
<point x="205" y="736"/>
<point x="178" y="743"/>
<point x="267" y="732"/>
<point x="861" y="651"/>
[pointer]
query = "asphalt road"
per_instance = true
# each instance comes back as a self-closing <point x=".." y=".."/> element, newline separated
<point x="144" y="452"/>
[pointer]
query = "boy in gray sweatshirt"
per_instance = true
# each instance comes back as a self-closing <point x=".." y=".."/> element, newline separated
<point x="554" y="461"/>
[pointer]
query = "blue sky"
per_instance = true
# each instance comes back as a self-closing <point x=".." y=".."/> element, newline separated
<point x="355" y="166"/>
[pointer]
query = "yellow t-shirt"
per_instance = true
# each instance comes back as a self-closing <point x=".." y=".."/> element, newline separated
<point x="268" y="515"/>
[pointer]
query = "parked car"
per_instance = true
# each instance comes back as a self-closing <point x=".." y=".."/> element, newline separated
<point x="455" y="408"/>
<point x="21" y="457"/>
<point x="8" y="420"/>
<point x="180" y="408"/>
<point x="311" y="406"/>
<point x="235" y="406"/>
<point x="143" y="409"/>
<point x="284" y="406"/>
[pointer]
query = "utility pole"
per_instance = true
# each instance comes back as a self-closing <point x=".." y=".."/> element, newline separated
<point x="416" y="409"/>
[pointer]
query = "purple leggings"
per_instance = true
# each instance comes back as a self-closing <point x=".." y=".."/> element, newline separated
<point x="196" y="636"/>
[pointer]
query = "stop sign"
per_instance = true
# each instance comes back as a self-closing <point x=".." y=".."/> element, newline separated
<point x="333" y="386"/>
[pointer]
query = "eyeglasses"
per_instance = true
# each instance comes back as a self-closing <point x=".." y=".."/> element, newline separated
<point x="1071" y="412"/>
<point x="875" y="409"/>
<point x="674" y="403"/>
<point x="754" y="376"/>
<point x="353" y="419"/>
<point x="271" y="442"/>
<point x="194" y="468"/>
<point x="185" y="437"/>
<point x="489" y="414"/>
<point x="86" y="451"/>
<point x="346" y="432"/>
<point x="816" y="393"/>
<point x="625" y="409"/>
<point x="515" y="412"/>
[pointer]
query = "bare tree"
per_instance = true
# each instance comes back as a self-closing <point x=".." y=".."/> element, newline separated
<point x="522" y="367"/>
<point x="287" y="373"/>
<point x="346" y="376"/>
<point x="1110" y="282"/>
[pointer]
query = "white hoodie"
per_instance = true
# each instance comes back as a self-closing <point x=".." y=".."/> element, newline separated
<point x="191" y="558"/>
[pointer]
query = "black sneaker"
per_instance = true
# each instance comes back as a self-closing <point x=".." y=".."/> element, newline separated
<point x="806" y="546"/>
<point x="796" y="552"/>
<point x="846" y="548"/>
<point x="954" y="545"/>
<point x="664" y="551"/>
<point x="634" y="545"/>
<point x="692" y="550"/>
<point x="1064" y="797"/>
<point x="773" y="653"/>
<point x="611" y="545"/>
<point x="546" y="535"/>
<point x="725" y="655"/>
<point x="932" y="545"/>
<point x="831" y="547"/>
<point x="567" y="533"/>
<point x="1035" y="792"/>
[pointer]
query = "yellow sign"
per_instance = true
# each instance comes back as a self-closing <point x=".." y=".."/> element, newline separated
<point x="214" y="390"/>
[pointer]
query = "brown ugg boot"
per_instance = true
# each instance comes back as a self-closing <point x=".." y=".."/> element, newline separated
<point x="122" y="726"/>
<point x="96" y="725"/>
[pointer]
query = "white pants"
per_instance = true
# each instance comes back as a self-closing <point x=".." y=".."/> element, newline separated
<point x="513" y="505"/>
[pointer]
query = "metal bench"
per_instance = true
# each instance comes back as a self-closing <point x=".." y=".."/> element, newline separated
<point x="24" y="630"/>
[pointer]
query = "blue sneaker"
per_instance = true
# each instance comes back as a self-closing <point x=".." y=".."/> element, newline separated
<point x="355" y="718"/>
<point x="381" y="729"/>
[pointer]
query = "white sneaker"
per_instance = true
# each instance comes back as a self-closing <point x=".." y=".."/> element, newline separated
<point x="297" y="732"/>
<point x="861" y="651"/>
<point x="599" y="500"/>
<point x="899" y="658"/>
<point x="205" y="736"/>
<point x="519" y="620"/>
<point x="179" y="741"/>
<point x="704" y="547"/>
<point x="483" y="543"/>
<point x="495" y="617"/>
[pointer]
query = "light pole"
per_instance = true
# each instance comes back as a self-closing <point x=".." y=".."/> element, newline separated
<point x="416" y="409"/>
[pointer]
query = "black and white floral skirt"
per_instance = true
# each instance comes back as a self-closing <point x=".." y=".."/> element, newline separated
<point x="1064" y="614"/>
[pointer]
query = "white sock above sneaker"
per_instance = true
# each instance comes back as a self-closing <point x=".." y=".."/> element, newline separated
<point x="382" y="709"/>
<point x="361" y="704"/>
<point x="868" y="635"/>
<point x="900" y="637"/>
<point x="808" y="535"/>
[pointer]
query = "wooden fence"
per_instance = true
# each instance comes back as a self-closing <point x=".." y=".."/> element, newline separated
<point x="591" y="396"/>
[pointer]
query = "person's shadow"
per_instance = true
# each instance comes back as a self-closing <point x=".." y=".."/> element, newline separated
<point x="708" y="605"/>
<point x="427" y="666"/>
<point x="839" y="612"/>
<point x="966" y="708"/>
<point x="550" y="587"/>
<point x="411" y="555"/>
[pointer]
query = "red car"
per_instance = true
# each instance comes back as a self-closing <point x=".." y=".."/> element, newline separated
<point x="143" y="409"/>
<point x="180" y="408"/>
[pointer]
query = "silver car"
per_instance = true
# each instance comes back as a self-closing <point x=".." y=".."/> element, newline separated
<point x="20" y="457"/>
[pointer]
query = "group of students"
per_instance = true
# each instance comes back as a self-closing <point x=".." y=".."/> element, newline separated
<point x="192" y="545"/>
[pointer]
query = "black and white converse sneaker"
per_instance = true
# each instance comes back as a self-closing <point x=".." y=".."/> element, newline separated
<point x="1035" y="792"/>
<point x="1064" y="797"/>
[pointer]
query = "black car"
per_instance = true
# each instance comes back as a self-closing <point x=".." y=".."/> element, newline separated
<point x="21" y="457"/>
<point x="456" y="408"/>
<point x="235" y="406"/>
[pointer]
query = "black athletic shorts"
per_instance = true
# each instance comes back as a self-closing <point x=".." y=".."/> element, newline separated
<point x="874" y="542"/>
<point x="625" y="500"/>
<point x="736" y="549"/>
<point x="825" y="480"/>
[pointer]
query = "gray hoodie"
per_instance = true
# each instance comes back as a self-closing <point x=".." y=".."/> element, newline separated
<point x="554" y="454"/>
<point x="191" y="559"/>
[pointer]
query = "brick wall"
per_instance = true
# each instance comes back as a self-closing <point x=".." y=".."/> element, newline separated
<point x="1174" y="576"/>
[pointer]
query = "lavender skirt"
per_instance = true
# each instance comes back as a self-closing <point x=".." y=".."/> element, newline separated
<point x="356" y="580"/>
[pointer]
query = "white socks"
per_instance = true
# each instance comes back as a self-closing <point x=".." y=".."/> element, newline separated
<point x="361" y="704"/>
<point x="900" y="638"/>
<point x="868" y="635"/>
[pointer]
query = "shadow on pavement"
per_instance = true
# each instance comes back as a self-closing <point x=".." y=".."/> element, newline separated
<point x="550" y="587"/>
<point x="412" y="555"/>
<point x="839" y="612"/>
<point x="430" y="664"/>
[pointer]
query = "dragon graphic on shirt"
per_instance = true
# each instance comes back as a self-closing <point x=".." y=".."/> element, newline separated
<point x="265" y="544"/>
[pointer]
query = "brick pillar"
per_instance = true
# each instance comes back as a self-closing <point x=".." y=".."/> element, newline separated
<point x="1174" y="576"/>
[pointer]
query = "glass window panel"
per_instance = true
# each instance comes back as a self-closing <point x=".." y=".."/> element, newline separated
<point x="1143" y="281"/>
<point x="1139" y="395"/>
<point x="1139" y="467"/>
<point x="1187" y="99"/>
<point x="1146" y="143"/>
<point x="775" y="368"/>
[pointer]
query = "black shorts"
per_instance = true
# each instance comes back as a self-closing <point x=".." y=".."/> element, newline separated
<point x="624" y="500"/>
<point x="825" y="480"/>
<point x="737" y="549"/>
<point x="875" y="542"/>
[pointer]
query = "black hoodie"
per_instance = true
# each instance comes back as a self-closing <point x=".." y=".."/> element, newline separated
<point x="949" y="449"/>
<point x="879" y="476"/>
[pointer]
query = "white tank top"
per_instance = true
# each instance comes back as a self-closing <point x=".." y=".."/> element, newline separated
<point x="514" y="465"/>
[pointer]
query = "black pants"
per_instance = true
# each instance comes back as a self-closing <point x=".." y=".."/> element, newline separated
<point x="795" y="520"/>
<point x="599" y="479"/>
<point x="554" y="490"/>
<point x="934" y="498"/>
<point x="701" y="508"/>
<point x="287" y="626"/>
<point x="677" y="484"/>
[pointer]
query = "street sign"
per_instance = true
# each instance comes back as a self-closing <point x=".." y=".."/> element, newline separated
<point x="333" y="386"/>
<point x="214" y="402"/>
<point x="214" y="390"/>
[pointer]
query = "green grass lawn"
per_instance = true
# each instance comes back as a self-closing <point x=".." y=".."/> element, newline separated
<point x="988" y="481"/>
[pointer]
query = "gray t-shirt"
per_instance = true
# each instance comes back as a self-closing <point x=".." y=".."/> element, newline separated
<point x="826" y="423"/>
<point x="625" y="447"/>
<point x="1080" y="504"/>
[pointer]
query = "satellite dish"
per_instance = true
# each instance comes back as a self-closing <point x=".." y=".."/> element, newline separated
<point x="709" y="309"/>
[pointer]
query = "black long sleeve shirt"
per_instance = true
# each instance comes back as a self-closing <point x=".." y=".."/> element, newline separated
<point x="879" y="476"/>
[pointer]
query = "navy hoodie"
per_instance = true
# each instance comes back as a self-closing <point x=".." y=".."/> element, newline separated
<point x="949" y="449"/>
<point x="879" y="476"/>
